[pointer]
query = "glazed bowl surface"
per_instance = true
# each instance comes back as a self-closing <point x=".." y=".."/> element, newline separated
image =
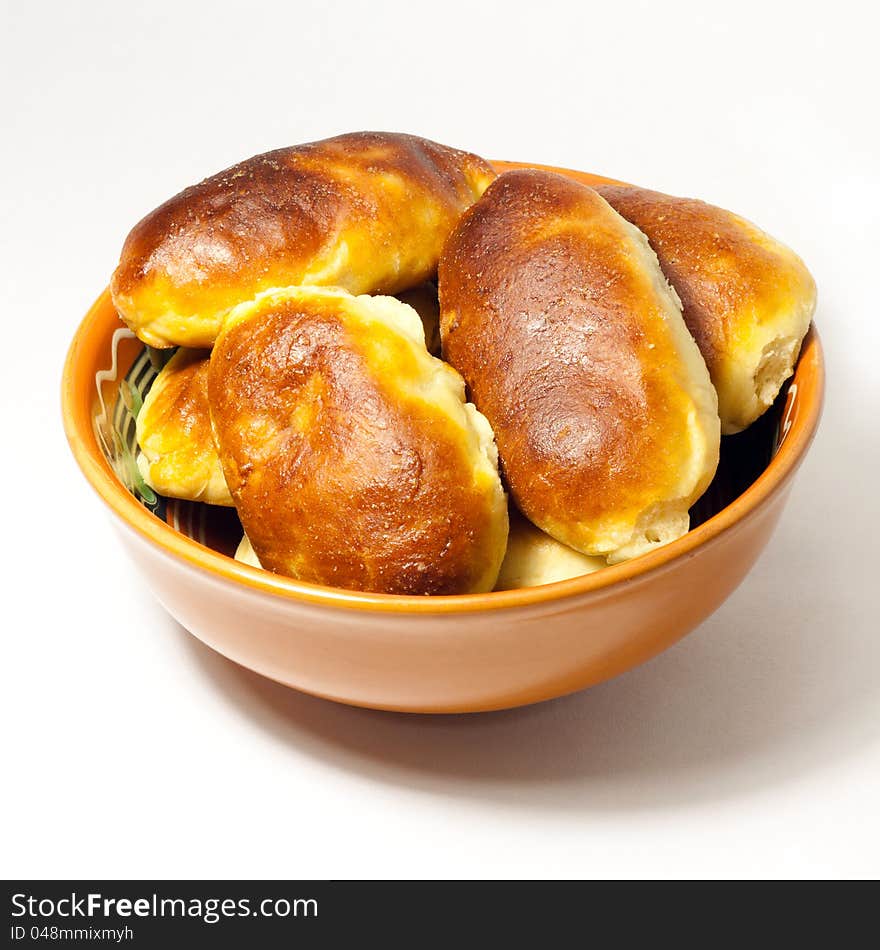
<point x="419" y="654"/>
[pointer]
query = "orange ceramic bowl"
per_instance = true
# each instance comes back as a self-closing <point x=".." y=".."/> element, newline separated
<point x="442" y="654"/>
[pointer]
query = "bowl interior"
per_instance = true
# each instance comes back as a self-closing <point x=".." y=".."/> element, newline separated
<point x="129" y="369"/>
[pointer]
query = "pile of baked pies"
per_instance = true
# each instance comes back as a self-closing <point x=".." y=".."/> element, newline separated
<point x="379" y="339"/>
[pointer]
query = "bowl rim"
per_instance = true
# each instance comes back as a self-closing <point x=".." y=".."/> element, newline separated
<point x="77" y="400"/>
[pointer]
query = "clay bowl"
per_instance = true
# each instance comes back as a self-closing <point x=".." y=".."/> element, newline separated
<point x="442" y="654"/>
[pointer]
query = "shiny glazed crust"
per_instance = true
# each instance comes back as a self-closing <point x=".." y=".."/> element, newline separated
<point x="368" y="211"/>
<point x="349" y="450"/>
<point x="178" y="457"/>
<point x="747" y="299"/>
<point x="555" y="311"/>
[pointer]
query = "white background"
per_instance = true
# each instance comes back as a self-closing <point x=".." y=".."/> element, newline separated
<point x="752" y="748"/>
